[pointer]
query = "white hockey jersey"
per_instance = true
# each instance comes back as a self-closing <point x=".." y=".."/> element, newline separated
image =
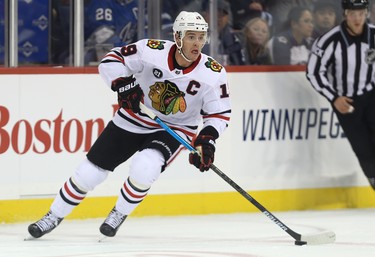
<point x="181" y="98"/>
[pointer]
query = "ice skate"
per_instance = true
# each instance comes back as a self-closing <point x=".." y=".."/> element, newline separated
<point x="45" y="225"/>
<point x="112" y="223"/>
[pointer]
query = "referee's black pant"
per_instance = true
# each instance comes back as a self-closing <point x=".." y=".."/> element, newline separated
<point x="359" y="127"/>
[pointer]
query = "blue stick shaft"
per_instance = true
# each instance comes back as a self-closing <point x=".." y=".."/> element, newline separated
<point x="175" y="135"/>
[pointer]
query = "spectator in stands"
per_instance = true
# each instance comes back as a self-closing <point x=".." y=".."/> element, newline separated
<point x="372" y="12"/>
<point x="108" y="23"/>
<point x="292" y="46"/>
<point x="230" y="48"/>
<point x="245" y="10"/>
<point x="256" y="35"/>
<point x="325" y="17"/>
<point x="279" y="10"/>
<point x="173" y="7"/>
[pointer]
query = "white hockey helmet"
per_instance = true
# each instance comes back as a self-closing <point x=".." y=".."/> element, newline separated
<point x="189" y="21"/>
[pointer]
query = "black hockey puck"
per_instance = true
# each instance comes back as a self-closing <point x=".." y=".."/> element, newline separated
<point x="297" y="242"/>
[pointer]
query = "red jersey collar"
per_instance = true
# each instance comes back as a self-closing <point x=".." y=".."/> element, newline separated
<point x="170" y="61"/>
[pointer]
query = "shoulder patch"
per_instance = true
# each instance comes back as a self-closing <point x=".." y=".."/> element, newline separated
<point x="213" y="65"/>
<point x="317" y="51"/>
<point x="155" y="44"/>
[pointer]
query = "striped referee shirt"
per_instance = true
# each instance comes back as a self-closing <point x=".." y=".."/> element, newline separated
<point x="342" y="65"/>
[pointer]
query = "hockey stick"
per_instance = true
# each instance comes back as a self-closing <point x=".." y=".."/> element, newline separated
<point x="320" y="238"/>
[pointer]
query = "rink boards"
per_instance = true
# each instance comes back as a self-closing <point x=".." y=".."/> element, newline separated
<point x="284" y="146"/>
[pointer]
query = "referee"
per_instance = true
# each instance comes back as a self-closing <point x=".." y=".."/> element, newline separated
<point x="341" y="67"/>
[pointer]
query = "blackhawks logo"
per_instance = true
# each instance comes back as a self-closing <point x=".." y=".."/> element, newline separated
<point x="155" y="44"/>
<point x="167" y="98"/>
<point x="213" y="65"/>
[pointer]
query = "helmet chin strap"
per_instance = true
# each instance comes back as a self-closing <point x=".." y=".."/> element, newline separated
<point x="179" y="49"/>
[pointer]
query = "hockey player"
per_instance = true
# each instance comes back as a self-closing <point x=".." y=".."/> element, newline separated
<point x="342" y="69"/>
<point x="179" y="83"/>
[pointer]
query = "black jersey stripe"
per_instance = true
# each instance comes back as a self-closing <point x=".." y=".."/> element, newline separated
<point x="111" y="60"/>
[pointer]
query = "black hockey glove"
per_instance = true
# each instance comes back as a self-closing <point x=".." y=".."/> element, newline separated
<point x="129" y="93"/>
<point x="205" y="145"/>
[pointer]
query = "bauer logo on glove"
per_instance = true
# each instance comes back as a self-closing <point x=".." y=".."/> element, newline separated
<point x="129" y="93"/>
<point x="128" y="87"/>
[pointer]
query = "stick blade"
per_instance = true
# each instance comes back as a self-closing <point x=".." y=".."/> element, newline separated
<point x="326" y="237"/>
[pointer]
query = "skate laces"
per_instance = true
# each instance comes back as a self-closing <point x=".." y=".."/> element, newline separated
<point x="48" y="222"/>
<point x="115" y="218"/>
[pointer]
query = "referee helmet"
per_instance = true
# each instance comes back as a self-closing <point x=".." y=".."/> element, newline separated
<point x="354" y="4"/>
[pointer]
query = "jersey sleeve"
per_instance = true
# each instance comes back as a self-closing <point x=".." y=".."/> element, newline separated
<point x="122" y="62"/>
<point x="216" y="109"/>
<point x="317" y="69"/>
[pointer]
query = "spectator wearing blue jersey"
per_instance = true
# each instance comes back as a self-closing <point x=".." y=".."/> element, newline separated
<point x="108" y="23"/>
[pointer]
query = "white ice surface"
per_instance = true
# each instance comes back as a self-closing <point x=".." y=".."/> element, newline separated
<point x="234" y="235"/>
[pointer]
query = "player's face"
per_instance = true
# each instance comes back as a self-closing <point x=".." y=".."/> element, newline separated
<point x="355" y="19"/>
<point x="193" y="43"/>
